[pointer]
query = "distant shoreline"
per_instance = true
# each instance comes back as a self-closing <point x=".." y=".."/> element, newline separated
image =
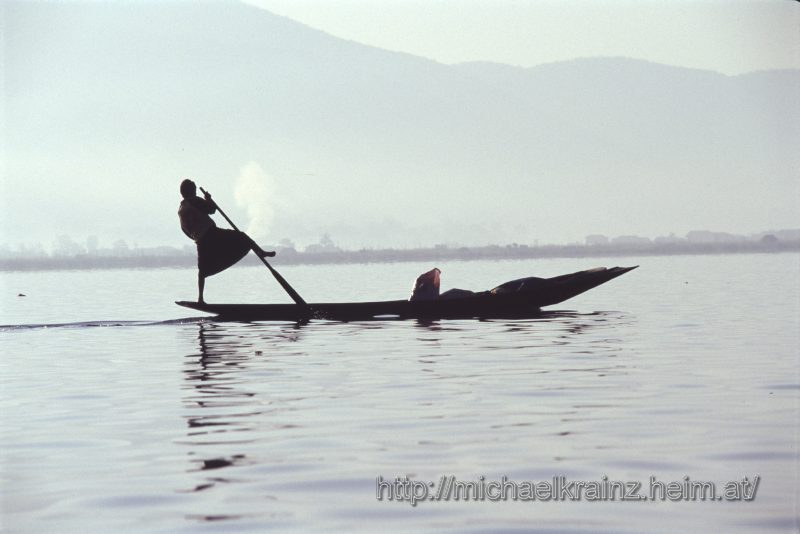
<point x="434" y="254"/>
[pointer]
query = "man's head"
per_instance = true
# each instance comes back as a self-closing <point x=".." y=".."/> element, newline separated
<point x="188" y="189"/>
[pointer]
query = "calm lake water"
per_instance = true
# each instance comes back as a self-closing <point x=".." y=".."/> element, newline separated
<point x="135" y="415"/>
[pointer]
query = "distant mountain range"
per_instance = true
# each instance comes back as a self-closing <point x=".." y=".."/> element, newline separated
<point x="108" y="105"/>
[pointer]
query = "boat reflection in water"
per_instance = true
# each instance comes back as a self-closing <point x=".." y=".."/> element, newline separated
<point x="224" y="413"/>
<point x="282" y="415"/>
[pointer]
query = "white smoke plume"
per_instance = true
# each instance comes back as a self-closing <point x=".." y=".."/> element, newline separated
<point x="255" y="192"/>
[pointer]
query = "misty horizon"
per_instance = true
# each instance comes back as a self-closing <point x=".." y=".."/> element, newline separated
<point x="65" y="246"/>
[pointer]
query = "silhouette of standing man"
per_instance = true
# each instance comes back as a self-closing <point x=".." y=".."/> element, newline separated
<point x="217" y="248"/>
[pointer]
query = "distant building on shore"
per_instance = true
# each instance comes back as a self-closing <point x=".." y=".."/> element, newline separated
<point x="705" y="236"/>
<point x="668" y="239"/>
<point x="631" y="240"/>
<point x="596" y="240"/>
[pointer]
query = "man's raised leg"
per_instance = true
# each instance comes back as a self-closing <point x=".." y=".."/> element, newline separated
<point x="258" y="250"/>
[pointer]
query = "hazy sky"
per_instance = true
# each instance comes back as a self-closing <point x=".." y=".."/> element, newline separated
<point x="728" y="36"/>
<point x="107" y="105"/>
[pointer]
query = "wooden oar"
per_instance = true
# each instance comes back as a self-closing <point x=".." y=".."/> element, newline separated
<point x="281" y="280"/>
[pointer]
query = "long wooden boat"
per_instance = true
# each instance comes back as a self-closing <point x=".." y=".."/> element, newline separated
<point x="518" y="298"/>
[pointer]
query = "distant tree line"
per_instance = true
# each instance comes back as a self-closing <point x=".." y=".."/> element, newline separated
<point x="68" y="254"/>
